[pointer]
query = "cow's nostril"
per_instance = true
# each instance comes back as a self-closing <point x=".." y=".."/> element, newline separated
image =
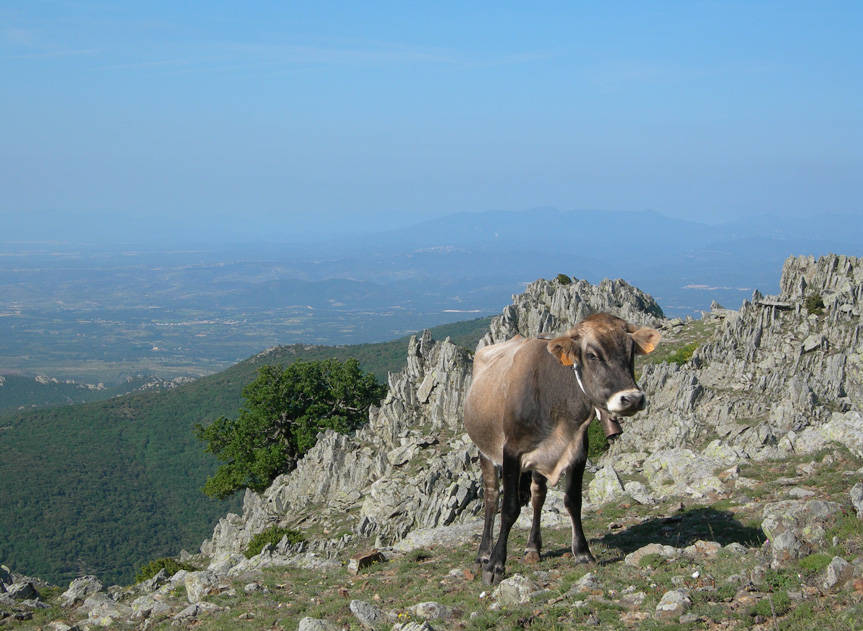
<point x="635" y="399"/>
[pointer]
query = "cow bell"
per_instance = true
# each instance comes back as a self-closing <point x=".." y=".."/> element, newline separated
<point x="610" y="426"/>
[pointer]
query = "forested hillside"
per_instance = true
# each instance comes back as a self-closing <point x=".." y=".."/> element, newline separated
<point x="103" y="487"/>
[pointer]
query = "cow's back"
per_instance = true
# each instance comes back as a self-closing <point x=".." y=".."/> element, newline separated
<point x="503" y="386"/>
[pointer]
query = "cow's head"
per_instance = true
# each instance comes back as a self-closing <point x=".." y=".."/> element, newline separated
<point x="602" y="349"/>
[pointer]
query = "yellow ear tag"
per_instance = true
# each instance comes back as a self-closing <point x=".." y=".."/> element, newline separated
<point x="647" y="347"/>
<point x="565" y="360"/>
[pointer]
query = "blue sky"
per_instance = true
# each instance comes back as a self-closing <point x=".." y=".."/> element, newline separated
<point x="270" y="118"/>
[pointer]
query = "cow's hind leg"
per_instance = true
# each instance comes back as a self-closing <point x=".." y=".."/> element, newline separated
<point x="490" y="495"/>
<point x="537" y="497"/>
<point x="510" y="508"/>
<point x="572" y="501"/>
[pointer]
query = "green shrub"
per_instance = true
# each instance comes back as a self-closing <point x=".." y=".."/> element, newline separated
<point x="272" y="535"/>
<point x="815" y="562"/>
<point x="285" y="410"/>
<point x="781" y="605"/>
<point x="651" y="560"/>
<point x="171" y="567"/>
<point x="597" y="443"/>
<point x="563" y="279"/>
<point x="814" y="304"/>
<point x="683" y="354"/>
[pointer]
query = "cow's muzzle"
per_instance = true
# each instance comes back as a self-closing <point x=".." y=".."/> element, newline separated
<point x="626" y="402"/>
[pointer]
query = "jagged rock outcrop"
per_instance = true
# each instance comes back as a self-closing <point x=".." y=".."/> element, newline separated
<point x="777" y="377"/>
<point x="412" y="466"/>
<point x="549" y="307"/>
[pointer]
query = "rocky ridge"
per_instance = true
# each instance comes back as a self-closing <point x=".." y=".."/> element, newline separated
<point x="773" y="382"/>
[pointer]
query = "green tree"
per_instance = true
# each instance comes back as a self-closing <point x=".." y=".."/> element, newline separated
<point x="284" y="411"/>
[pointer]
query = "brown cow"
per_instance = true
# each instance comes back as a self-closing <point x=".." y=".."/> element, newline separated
<point x="528" y="409"/>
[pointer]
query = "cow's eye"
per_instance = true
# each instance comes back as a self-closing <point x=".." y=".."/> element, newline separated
<point x="591" y="356"/>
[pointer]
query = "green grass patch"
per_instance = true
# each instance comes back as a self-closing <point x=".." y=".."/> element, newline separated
<point x="775" y="605"/>
<point x="272" y="535"/>
<point x="171" y="567"/>
<point x="683" y="354"/>
<point x="814" y="562"/>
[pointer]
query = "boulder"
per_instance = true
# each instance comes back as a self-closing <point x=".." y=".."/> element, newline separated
<point x="24" y="590"/>
<point x="796" y="528"/>
<point x="200" y="584"/>
<point x="79" y="589"/>
<point x="605" y="486"/>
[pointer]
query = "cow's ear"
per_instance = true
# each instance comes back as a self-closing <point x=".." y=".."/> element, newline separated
<point x="564" y="348"/>
<point x="645" y="340"/>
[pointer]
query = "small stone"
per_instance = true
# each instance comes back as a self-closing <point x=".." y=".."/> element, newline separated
<point x="837" y="573"/>
<point x="688" y="618"/>
<point x="703" y="549"/>
<point x="666" y="552"/>
<point x="633" y="600"/>
<point x="362" y="560"/>
<point x="251" y="588"/>
<point x="634" y="618"/>
<point x="316" y="624"/>
<point x="515" y="590"/>
<point x="737" y="549"/>
<point x="586" y="583"/>
<point x="800" y="493"/>
<point x="431" y="611"/>
<point x="857" y="498"/>
<point x="368" y="615"/>
<point x="673" y="604"/>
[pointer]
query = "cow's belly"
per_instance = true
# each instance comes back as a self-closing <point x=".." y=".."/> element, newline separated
<point x="555" y="454"/>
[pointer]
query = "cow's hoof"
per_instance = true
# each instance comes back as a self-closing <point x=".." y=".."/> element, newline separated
<point x="583" y="557"/>
<point x="492" y="577"/>
<point x="531" y="556"/>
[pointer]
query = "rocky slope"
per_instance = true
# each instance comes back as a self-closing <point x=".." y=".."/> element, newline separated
<point x="729" y="489"/>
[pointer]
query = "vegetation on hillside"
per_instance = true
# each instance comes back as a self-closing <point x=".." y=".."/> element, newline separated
<point x="284" y="411"/>
<point x="101" y="488"/>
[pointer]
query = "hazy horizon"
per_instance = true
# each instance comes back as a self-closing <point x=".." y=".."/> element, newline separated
<point x="272" y="121"/>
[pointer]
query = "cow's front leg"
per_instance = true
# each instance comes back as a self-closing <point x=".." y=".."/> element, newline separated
<point x="537" y="498"/>
<point x="490" y="495"/>
<point x="572" y="501"/>
<point x="510" y="508"/>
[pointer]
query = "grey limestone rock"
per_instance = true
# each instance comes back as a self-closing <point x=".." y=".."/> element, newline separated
<point x="23" y="590"/>
<point x="605" y="486"/>
<point x="195" y="610"/>
<point x="673" y="604"/>
<point x="837" y="574"/>
<point x="368" y="615"/>
<point x="515" y="590"/>
<point x="431" y="610"/>
<point x="200" y="584"/>
<point x="857" y="498"/>
<point x="666" y="552"/>
<point x="316" y="624"/>
<point x="796" y="528"/>
<point x="548" y="308"/>
<point x="79" y="589"/>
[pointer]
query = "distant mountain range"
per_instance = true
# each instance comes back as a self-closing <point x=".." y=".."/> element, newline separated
<point x="103" y="313"/>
